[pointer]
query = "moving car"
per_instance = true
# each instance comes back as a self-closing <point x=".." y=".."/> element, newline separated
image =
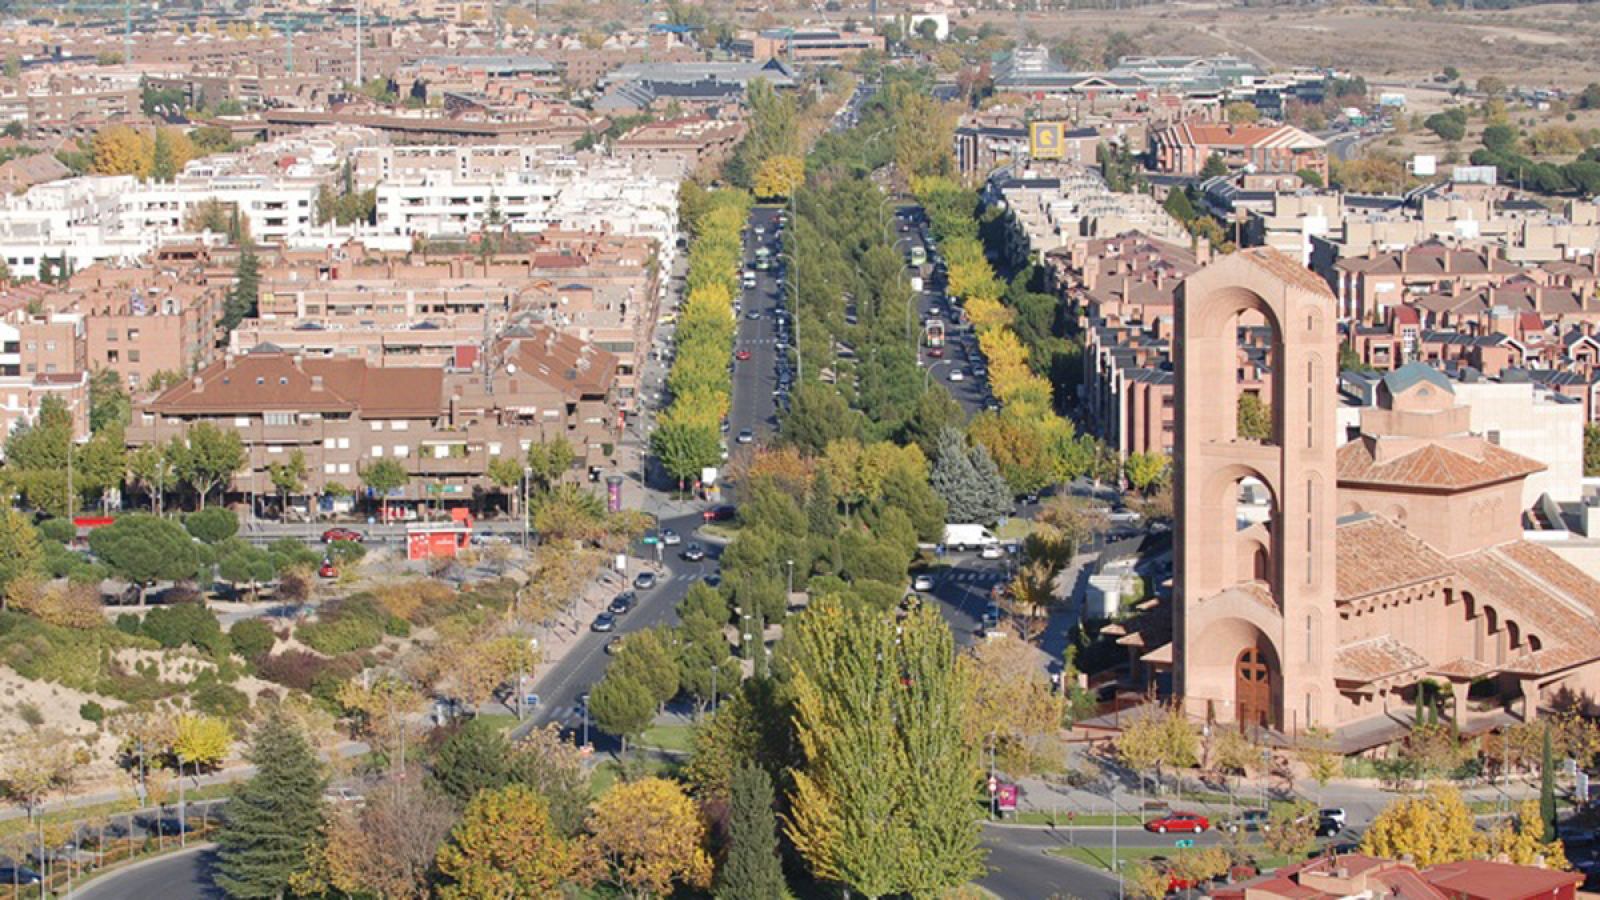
<point x="753" y="314"/>
<point x="694" y="553"/>
<point x="341" y="534"/>
<point x="604" y="622"/>
<point x="621" y="604"/>
<point x="18" y="875"/>
<point x="644" y="581"/>
<point x="746" y="436"/>
<point x="723" y="513"/>
<point x="922" y="583"/>
<point x="957" y="376"/>
<point x="614" y="645"/>
<point x="992" y="551"/>
<point x="670" y="538"/>
<point x="1178" y="821"/>
<point x="742" y="355"/>
<point x="1329" y="827"/>
<point x="1335" y="813"/>
<point x="962" y="536"/>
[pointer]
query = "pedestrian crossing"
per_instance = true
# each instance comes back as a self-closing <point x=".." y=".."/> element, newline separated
<point x="972" y="576"/>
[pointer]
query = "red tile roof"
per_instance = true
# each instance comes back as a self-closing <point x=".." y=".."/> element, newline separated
<point x="1375" y="555"/>
<point x="274" y="380"/>
<point x="1431" y="466"/>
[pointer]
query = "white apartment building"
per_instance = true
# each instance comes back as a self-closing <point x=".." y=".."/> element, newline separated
<point x="1050" y="211"/>
<point x="603" y="195"/>
<point x="275" y="209"/>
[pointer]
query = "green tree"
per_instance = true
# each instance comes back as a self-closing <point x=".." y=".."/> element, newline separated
<point x="549" y="460"/>
<point x="108" y="400"/>
<point x="208" y="458"/>
<point x="685" y="448"/>
<point x="1254" y="418"/>
<point x="164" y="164"/>
<point x="1591" y="450"/>
<point x="154" y="468"/>
<point x="240" y="304"/>
<point x="817" y="417"/>
<point x="144" y="549"/>
<point x="273" y="818"/>
<point x="1146" y="471"/>
<point x="884" y="799"/>
<point x="21" y="554"/>
<point x="1446" y="126"/>
<point x="968" y="481"/>
<point x="289" y="478"/>
<point x="470" y="760"/>
<point x="1547" y="788"/>
<point x="1500" y="138"/>
<point x="1215" y="165"/>
<point x="649" y="661"/>
<point x="752" y="870"/>
<point x="1178" y="205"/>
<point x="382" y="478"/>
<point x="506" y="474"/>
<point x="622" y="706"/>
<point x="213" y="526"/>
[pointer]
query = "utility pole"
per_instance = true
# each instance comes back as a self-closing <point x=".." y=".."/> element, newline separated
<point x="1114" y="867"/>
<point x="360" y="8"/>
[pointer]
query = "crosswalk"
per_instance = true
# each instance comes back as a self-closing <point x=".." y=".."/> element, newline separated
<point x="973" y="576"/>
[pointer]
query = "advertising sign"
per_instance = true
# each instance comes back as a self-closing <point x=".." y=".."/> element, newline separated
<point x="1044" y="140"/>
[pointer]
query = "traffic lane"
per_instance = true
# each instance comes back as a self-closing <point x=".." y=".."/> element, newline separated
<point x="962" y="590"/>
<point x="585" y="663"/>
<point x="1020" y="867"/>
<point x="185" y="875"/>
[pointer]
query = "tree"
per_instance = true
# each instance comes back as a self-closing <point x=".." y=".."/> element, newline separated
<point x="212" y="526"/>
<point x="273" y="819"/>
<point x="968" y="481"/>
<point x="1146" y="471"/>
<point x="383" y="478"/>
<point x="622" y="706"/>
<point x="245" y="294"/>
<point x="779" y="176"/>
<point x="1178" y="206"/>
<point x="121" y="150"/>
<point x="1013" y="708"/>
<point x="1157" y="740"/>
<point x="1523" y="843"/>
<point x="506" y="846"/>
<point x="1432" y="828"/>
<point x="1148" y="881"/>
<point x="752" y="869"/>
<point x="108" y="400"/>
<point x="143" y="549"/>
<point x="1254" y="418"/>
<point x="1292" y="830"/>
<point x="1491" y="87"/>
<point x="1448" y="127"/>
<point x="1311" y="178"/>
<point x="650" y="837"/>
<point x="883" y="799"/>
<point x="201" y="741"/>
<point x="1500" y="138"/>
<point x="21" y="554"/>
<point x="153" y="467"/>
<point x="1316" y="752"/>
<point x="208" y="457"/>
<point x="550" y="460"/>
<point x="163" y="164"/>
<point x="289" y="477"/>
<point x="1215" y="165"/>
<point x="1547" y="789"/>
<point x="384" y="849"/>
<point x="472" y="759"/>
<point x="506" y="474"/>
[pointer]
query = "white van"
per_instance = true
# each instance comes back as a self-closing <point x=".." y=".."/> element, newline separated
<point x="959" y="537"/>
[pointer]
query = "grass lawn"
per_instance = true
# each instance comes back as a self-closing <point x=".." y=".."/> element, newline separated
<point x="499" y="721"/>
<point x="1100" y="857"/>
<point x="608" y="773"/>
<point x="21" y="825"/>
<point x="1015" y="529"/>
<point x="1081" y="820"/>
<point x="678" y="738"/>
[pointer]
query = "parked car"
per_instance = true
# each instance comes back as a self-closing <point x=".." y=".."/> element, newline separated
<point x="993" y="551"/>
<point x="173" y="826"/>
<point x="17" y="875"/>
<point x="1329" y="827"/>
<point x="604" y="622"/>
<point x="694" y="553"/>
<point x="1249" y="820"/>
<point x="644" y="581"/>
<point x="621" y="604"/>
<point x="341" y="534"/>
<point x="614" y="645"/>
<point x="1178" y="821"/>
<point x="955" y="375"/>
<point x="328" y="569"/>
<point x="342" y="795"/>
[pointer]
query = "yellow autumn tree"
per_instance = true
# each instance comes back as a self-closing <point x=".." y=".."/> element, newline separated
<point x="1012" y="702"/>
<point x="650" y="837"/>
<point x="779" y="176"/>
<point x="201" y="741"/>
<point x="986" y="313"/>
<point x="121" y="150"/>
<point x="1433" y="828"/>
<point x="1521" y="842"/>
<point x="506" y="846"/>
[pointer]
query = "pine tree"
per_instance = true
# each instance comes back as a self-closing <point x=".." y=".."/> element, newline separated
<point x="274" y="817"/>
<point x="822" y="510"/>
<point x="993" y="492"/>
<point x="954" y="479"/>
<point x="246" y="291"/>
<point x="752" y="870"/>
<point x="163" y="165"/>
<point x="1547" y="788"/>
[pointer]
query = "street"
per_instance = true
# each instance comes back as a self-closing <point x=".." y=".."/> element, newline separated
<point x="180" y="876"/>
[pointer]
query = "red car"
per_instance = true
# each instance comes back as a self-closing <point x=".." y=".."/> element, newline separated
<point x="340" y="534"/>
<point x="1178" y="821"/>
<point x="936" y="352"/>
<point x="327" y="570"/>
<point x="742" y="355"/>
<point x="718" y="514"/>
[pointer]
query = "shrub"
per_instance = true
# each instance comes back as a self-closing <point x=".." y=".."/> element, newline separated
<point x="394" y="626"/>
<point x="70" y="606"/>
<point x="252" y="638"/>
<point x="91" y="711"/>
<point x="59" y="530"/>
<point x="342" y="552"/>
<point x="185" y="623"/>
<point x="30" y="714"/>
<point x="212" y="525"/>
<point x="341" y="635"/>
<point x="128" y="623"/>
<point x="211" y="696"/>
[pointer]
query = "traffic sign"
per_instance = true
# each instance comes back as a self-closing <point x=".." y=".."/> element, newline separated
<point x="1183" y="843"/>
<point x="650" y="539"/>
<point x="994" y="783"/>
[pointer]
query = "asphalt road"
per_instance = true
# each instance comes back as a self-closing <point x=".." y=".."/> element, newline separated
<point x="754" y="406"/>
<point x="1021" y="869"/>
<point x="960" y="352"/>
<point x="180" y="876"/>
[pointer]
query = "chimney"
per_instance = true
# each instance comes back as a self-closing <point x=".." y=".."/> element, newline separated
<point x="316" y="382"/>
<point x="199" y="384"/>
<point x="1202" y="250"/>
<point x="1448" y="253"/>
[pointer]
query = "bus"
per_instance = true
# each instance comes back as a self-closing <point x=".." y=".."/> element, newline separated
<point x="919" y="255"/>
<point x="933" y="334"/>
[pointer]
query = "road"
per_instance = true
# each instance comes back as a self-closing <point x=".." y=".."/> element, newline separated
<point x="960" y="352"/>
<point x="1021" y="869"/>
<point x="755" y="379"/>
<point x="185" y="875"/>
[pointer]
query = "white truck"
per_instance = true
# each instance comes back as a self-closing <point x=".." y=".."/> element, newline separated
<point x="959" y="537"/>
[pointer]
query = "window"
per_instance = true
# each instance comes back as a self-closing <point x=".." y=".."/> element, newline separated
<point x="401" y="450"/>
<point x="377" y="426"/>
<point x="274" y="448"/>
<point x="111" y="335"/>
<point x="329" y="469"/>
<point x="279" y="418"/>
<point x="113" y="356"/>
<point x="344" y="468"/>
<point x="133" y="356"/>
<point x="377" y="451"/>
<point x="50" y="346"/>
<point x="399" y="425"/>
<point x="241" y="422"/>
<point x="494" y="449"/>
<point x="133" y="334"/>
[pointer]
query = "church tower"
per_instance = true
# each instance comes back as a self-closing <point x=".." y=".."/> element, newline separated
<point x="1254" y="618"/>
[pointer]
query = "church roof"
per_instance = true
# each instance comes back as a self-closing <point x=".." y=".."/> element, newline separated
<point x="1413" y="373"/>
<point x="1376" y="658"/>
<point x="1431" y="466"/>
<point x="1375" y="555"/>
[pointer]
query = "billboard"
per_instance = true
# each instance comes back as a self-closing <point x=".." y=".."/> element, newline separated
<point x="1044" y="140"/>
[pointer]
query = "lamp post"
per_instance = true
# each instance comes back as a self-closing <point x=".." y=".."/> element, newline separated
<point x="1114" y="867"/>
<point x="527" y="476"/>
<point x="927" y="377"/>
<point x="790" y="564"/>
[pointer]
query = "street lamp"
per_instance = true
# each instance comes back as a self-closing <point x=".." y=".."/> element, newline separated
<point x="583" y="703"/>
<point x="527" y="476"/>
<point x="927" y="377"/>
<point x="790" y="564"/>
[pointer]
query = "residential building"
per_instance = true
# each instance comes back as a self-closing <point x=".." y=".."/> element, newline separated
<point x="22" y="396"/>
<point x="1051" y="207"/>
<point x="1339" y="876"/>
<point x="806" y="45"/>
<point x="1184" y="147"/>
<point x="1030" y="70"/>
<point x="684" y="146"/>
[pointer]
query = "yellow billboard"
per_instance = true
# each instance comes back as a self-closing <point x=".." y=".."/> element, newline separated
<point x="1044" y="140"/>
